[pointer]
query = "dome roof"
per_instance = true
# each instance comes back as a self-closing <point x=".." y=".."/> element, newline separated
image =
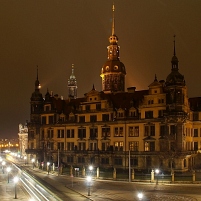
<point x="175" y="78"/>
<point x="113" y="66"/>
<point x="36" y="96"/>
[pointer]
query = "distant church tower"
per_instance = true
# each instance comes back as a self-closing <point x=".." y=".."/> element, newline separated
<point x="72" y="85"/>
<point x="36" y="102"/>
<point x="113" y="71"/>
<point x="176" y="102"/>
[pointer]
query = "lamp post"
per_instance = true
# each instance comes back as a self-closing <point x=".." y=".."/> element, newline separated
<point x="1" y="160"/>
<point x="16" y="179"/>
<point x="48" y="167"/>
<point x="157" y="172"/>
<point x="89" y="185"/>
<point x="8" y="169"/>
<point x="25" y="159"/>
<point x="33" y="160"/>
<point x="90" y="169"/>
<point x="140" y="196"/>
<point x="3" y="164"/>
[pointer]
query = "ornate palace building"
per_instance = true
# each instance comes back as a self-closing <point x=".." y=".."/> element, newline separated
<point x="156" y="127"/>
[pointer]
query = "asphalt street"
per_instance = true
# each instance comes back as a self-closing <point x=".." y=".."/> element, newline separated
<point x="123" y="191"/>
<point x="102" y="190"/>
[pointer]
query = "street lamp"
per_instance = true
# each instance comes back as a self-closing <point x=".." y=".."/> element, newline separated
<point x="89" y="185"/>
<point x="48" y="167"/>
<point x="90" y="169"/>
<point x="16" y="179"/>
<point x="140" y="196"/>
<point x="3" y="164"/>
<point x="8" y="169"/>
<point x="157" y="172"/>
<point x="33" y="160"/>
<point x="25" y="158"/>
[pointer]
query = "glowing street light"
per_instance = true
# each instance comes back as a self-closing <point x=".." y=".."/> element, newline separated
<point x="157" y="172"/>
<point x="91" y="169"/>
<point x="16" y="179"/>
<point x="8" y="169"/>
<point x="140" y="196"/>
<point x="25" y="159"/>
<point x="89" y="185"/>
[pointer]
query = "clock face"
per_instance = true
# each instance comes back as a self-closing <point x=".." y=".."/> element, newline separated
<point x="115" y="67"/>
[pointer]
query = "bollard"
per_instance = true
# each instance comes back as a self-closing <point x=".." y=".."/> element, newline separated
<point x="71" y="170"/>
<point x="133" y="174"/>
<point x="83" y="171"/>
<point x="152" y="176"/>
<point x="193" y="175"/>
<point x="98" y="172"/>
<point x="172" y="173"/>
<point x="114" y="174"/>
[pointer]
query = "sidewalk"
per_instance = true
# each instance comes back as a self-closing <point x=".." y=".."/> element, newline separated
<point x="7" y="190"/>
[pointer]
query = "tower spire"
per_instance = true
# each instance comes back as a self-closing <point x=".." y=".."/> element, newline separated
<point x="113" y="71"/>
<point x="37" y="73"/>
<point x="174" y="58"/>
<point x="72" y="85"/>
<point x="72" y="69"/>
<point x="174" y="46"/>
<point x="37" y="83"/>
<point x="113" y="24"/>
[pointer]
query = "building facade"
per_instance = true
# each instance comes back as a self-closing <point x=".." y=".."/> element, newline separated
<point x="156" y="127"/>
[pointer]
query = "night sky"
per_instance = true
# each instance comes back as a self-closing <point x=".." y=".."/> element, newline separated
<point x="56" y="34"/>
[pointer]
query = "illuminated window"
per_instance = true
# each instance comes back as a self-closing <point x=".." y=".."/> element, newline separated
<point x="134" y="131"/>
<point x="134" y="146"/>
<point x="118" y="146"/>
<point x="118" y="132"/>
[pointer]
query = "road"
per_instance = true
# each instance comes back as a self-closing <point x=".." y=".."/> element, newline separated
<point x="68" y="188"/>
<point x="119" y="191"/>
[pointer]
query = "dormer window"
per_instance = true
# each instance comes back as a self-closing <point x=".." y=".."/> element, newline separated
<point x="71" y="117"/>
<point x="62" y="118"/>
<point x="120" y="114"/>
<point x="132" y="113"/>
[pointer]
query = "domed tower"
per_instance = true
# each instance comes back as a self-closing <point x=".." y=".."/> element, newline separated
<point x="36" y="102"/>
<point x="113" y="71"/>
<point x="72" y="85"/>
<point x="176" y="87"/>
<point x="176" y="104"/>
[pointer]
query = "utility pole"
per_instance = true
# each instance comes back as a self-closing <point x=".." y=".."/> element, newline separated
<point x="129" y="166"/>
